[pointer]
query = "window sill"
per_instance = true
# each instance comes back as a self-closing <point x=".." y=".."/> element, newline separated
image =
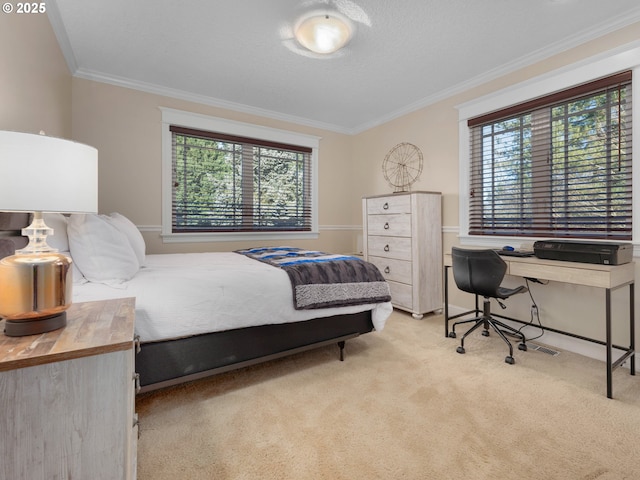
<point x="235" y="236"/>
<point x="524" y="243"/>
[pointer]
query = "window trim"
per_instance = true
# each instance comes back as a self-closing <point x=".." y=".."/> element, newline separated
<point x="231" y="127"/>
<point x="608" y="63"/>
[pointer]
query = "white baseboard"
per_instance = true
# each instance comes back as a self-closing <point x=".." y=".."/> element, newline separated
<point x="556" y="340"/>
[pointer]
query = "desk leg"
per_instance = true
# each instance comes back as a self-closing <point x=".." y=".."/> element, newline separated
<point x="608" y="335"/>
<point x="631" y="351"/>
<point x="632" y="329"/>
<point x="446" y="301"/>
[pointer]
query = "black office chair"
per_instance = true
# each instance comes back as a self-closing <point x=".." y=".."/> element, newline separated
<point x="481" y="272"/>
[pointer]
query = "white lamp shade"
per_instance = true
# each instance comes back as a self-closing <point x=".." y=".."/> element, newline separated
<point x="324" y="33"/>
<point x="47" y="174"/>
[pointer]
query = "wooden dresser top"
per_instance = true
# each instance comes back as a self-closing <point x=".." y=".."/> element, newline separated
<point x="93" y="328"/>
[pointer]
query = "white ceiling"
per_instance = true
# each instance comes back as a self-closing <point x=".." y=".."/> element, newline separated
<point x="239" y="54"/>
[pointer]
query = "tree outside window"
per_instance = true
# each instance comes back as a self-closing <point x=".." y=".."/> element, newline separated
<point x="555" y="168"/>
<point x="223" y="183"/>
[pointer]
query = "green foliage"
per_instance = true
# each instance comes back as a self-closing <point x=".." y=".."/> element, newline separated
<point x="572" y="176"/>
<point x="228" y="186"/>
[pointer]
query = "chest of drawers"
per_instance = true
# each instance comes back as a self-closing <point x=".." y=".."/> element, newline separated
<point x="403" y="237"/>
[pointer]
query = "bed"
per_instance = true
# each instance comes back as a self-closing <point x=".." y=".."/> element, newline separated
<point x="190" y="319"/>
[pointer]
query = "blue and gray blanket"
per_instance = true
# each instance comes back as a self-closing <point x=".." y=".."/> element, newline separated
<point x="322" y="279"/>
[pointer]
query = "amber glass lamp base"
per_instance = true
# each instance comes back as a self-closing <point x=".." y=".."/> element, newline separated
<point x="35" y="292"/>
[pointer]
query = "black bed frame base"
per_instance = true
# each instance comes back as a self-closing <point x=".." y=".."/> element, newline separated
<point x="247" y="363"/>
<point x="168" y="363"/>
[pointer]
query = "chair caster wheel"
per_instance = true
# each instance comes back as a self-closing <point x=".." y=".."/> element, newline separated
<point x="452" y="335"/>
<point x="460" y="349"/>
<point x="485" y="333"/>
<point x="523" y="347"/>
<point x="509" y="359"/>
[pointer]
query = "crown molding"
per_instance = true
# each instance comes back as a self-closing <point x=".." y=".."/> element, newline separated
<point x="573" y="41"/>
<point x="524" y="61"/>
<point x="203" y="100"/>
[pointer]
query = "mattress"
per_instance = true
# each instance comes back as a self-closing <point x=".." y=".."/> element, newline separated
<point x="181" y="295"/>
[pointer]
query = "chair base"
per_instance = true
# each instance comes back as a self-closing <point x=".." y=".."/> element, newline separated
<point x="486" y="320"/>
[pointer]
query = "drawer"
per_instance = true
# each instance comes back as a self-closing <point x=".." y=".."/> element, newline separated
<point x="401" y="295"/>
<point x="389" y="247"/>
<point x="398" y="225"/>
<point x="393" y="269"/>
<point x="396" y="204"/>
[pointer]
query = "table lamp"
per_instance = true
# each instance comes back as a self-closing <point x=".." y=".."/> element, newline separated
<point x="41" y="174"/>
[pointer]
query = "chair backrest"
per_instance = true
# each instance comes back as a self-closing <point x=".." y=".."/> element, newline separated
<point x="478" y="271"/>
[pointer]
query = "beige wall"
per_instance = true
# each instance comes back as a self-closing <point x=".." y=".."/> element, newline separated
<point x="37" y="92"/>
<point x="35" y="84"/>
<point x="125" y="126"/>
<point x="435" y="130"/>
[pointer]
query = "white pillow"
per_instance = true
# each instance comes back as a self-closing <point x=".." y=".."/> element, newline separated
<point x="101" y="252"/>
<point x="77" y="276"/>
<point x="59" y="239"/>
<point x="134" y="236"/>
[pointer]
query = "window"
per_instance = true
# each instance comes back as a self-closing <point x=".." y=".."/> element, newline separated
<point x="225" y="183"/>
<point x="556" y="166"/>
<point x="222" y="184"/>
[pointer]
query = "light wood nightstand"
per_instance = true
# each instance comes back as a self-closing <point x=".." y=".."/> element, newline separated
<point x="67" y="397"/>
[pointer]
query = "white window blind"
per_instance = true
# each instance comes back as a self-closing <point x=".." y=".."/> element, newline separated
<point x="557" y="166"/>
<point x="227" y="183"/>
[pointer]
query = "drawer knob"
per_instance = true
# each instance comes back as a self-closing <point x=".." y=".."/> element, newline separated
<point x="385" y="206"/>
<point x="387" y="269"/>
<point x="386" y="248"/>
<point x="136" y="423"/>
<point x="386" y="226"/>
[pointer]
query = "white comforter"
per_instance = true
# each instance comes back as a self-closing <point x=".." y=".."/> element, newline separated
<point x="179" y="295"/>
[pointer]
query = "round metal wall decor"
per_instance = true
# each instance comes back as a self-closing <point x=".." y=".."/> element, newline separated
<point x="402" y="166"/>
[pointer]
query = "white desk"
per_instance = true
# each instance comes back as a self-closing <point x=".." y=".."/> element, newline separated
<point x="608" y="277"/>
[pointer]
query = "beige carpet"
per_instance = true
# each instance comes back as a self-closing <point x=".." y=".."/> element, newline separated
<point x="403" y="405"/>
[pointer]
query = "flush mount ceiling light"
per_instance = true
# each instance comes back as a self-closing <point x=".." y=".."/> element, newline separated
<point x="323" y="33"/>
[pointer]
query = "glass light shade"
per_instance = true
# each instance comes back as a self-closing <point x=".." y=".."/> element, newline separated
<point x="323" y="33"/>
<point x="41" y="174"/>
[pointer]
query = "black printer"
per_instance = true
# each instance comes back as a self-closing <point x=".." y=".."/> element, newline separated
<point x="604" y="253"/>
